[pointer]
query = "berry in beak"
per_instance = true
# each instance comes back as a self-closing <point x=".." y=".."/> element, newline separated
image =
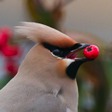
<point x="90" y="52"/>
<point x="74" y="51"/>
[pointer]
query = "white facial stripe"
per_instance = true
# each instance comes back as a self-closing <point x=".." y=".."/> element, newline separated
<point x="55" y="56"/>
<point x="68" y="61"/>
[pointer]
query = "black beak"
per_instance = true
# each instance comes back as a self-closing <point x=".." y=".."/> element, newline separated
<point x="74" y="50"/>
<point x="78" y="47"/>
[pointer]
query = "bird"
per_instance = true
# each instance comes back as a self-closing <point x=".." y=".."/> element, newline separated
<point x="46" y="78"/>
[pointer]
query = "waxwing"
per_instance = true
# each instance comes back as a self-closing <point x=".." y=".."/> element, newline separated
<point x="46" y="79"/>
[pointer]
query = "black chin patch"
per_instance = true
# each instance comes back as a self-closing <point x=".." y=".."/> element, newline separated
<point x="73" y="68"/>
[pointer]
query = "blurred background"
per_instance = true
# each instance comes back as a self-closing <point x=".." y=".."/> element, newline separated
<point x="86" y="21"/>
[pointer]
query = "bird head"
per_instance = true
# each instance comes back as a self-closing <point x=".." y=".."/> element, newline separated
<point x="53" y="51"/>
<point x="52" y="64"/>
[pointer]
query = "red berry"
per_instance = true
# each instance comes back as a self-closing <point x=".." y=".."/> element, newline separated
<point x="9" y="50"/>
<point x="91" y="52"/>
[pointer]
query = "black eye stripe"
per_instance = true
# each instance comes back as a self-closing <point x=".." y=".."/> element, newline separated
<point x="75" y="46"/>
<point x="55" y="50"/>
<point x="50" y="47"/>
<point x="61" y="52"/>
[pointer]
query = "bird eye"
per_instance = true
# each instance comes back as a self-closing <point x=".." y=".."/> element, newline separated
<point x="56" y="52"/>
<point x="54" y="49"/>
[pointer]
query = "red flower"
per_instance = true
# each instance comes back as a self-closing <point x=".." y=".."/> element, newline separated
<point x="9" y="50"/>
<point x="5" y="34"/>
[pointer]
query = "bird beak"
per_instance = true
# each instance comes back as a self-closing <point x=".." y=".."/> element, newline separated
<point x="74" y="66"/>
<point x="74" y="51"/>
